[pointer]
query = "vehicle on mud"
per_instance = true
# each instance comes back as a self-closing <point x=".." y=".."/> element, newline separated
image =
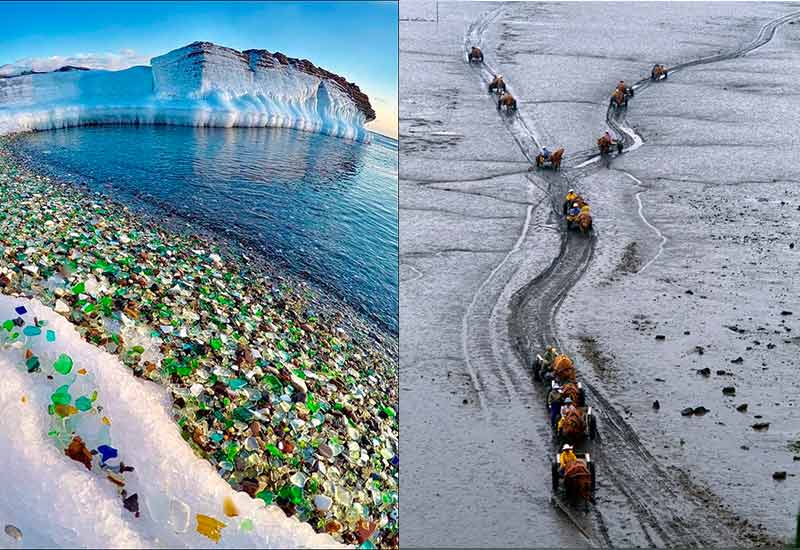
<point x="497" y="85"/>
<point x="562" y="369"/>
<point x="582" y="220"/>
<point x="571" y="200"/>
<point x="576" y="424"/>
<point x="554" y="160"/>
<point x="507" y="100"/>
<point x="475" y="54"/>
<point x="573" y="390"/>
<point x="619" y="99"/>
<point x="659" y="72"/>
<point x="579" y="478"/>
<point x="604" y="143"/>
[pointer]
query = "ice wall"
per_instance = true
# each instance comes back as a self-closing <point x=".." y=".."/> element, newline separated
<point x="199" y="85"/>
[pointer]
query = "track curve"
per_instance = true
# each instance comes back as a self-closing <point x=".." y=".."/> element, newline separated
<point x="643" y="493"/>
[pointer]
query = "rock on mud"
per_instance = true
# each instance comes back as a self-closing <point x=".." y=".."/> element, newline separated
<point x="13" y="532"/>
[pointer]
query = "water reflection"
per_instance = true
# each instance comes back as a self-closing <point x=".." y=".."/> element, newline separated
<point x="325" y="206"/>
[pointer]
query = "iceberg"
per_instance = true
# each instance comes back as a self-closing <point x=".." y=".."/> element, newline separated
<point x="201" y="84"/>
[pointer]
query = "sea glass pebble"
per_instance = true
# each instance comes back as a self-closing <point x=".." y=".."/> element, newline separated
<point x="63" y="364"/>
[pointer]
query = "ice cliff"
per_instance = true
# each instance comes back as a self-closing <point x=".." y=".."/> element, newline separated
<point x="201" y="84"/>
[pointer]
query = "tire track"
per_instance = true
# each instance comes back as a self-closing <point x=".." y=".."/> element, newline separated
<point x="654" y="499"/>
<point x="484" y="326"/>
<point x="480" y="333"/>
<point x="617" y="119"/>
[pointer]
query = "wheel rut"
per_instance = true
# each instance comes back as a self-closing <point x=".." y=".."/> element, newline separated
<point x="646" y="503"/>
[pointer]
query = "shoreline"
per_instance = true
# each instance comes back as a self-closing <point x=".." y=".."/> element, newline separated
<point x="344" y="362"/>
<point x="262" y="262"/>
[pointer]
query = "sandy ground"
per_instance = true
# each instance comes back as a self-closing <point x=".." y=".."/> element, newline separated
<point x="701" y="200"/>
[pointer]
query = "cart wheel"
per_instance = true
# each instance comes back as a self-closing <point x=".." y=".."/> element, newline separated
<point x="594" y="477"/>
<point x="581" y="398"/>
<point x="592" y="427"/>
<point x="554" y="475"/>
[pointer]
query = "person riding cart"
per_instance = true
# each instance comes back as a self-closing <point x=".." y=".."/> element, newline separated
<point x="566" y="408"/>
<point x="566" y="457"/>
<point x="571" y="196"/>
<point x="497" y="84"/>
<point x="475" y="54"/>
<point x="658" y="71"/>
<point x="554" y="399"/>
<point x="574" y="211"/>
<point x="546" y="363"/>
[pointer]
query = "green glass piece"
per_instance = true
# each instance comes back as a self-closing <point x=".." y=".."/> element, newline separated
<point x="216" y="437"/>
<point x="215" y="343"/>
<point x="312" y="404"/>
<point x="80" y="288"/>
<point x="237" y="383"/>
<point x="389" y="412"/>
<point x="184" y="370"/>
<point x="274" y="383"/>
<point x="274" y="451"/>
<point x="31" y="330"/>
<point x="231" y="451"/>
<point x="296" y="494"/>
<point x="83" y="403"/>
<point x="313" y="485"/>
<point x="63" y="364"/>
<point x="94" y="395"/>
<point x="32" y="363"/>
<point x="51" y="336"/>
<point x="266" y="496"/>
<point x="246" y="525"/>
<point x="243" y="414"/>
<point x="61" y="397"/>
<point x="8" y="325"/>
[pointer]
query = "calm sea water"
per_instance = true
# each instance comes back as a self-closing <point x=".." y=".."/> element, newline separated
<point x="324" y="206"/>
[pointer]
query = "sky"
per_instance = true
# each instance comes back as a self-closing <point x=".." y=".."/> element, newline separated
<point x="357" y="40"/>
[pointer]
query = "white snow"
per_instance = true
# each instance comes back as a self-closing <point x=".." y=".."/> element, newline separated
<point x="56" y="502"/>
<point x="215" y="88"/>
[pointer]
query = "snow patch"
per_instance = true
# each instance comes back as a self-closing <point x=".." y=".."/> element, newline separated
<point x="57" y="502"/>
